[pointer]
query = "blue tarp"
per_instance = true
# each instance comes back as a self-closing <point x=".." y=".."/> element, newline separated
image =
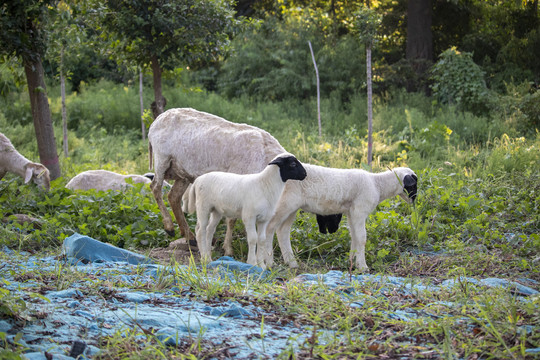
<point x="80" y="312"/>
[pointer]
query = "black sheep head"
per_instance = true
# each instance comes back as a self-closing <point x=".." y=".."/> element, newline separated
<point x="410" y="186"/>
<point x="289" y="167"/>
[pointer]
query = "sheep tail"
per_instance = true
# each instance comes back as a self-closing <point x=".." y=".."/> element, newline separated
<point x="192" y="206"/>
<point x="150" y="157"/>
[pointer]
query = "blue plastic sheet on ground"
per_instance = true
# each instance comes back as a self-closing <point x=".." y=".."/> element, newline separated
<point x="83" y="248"/>
<point x="84" y="312"/>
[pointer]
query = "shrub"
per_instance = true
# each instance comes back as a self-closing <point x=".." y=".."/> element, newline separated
<point x="273" y="61"/>
<point x="458" y="80"/>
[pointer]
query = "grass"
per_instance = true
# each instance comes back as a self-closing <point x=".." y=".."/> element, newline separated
<point x="477" y="215"/>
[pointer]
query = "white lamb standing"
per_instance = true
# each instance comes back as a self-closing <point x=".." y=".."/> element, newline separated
<point x="251" y="197"/>
<point x="227" y="242"/>
<point x="104" y="180"/>
<point x="329" y="191"/>
<point x="184" y="144"/>
<point x="12" y="161"/>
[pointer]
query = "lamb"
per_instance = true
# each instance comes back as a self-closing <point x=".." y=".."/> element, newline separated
<point x="227" y="243"/>
<point x="184" y="144"/>
<point x="105" y="180"/>
<point x="251" y="197"/>
<point x="12" y="161"/>
<point x="329" y="191"/>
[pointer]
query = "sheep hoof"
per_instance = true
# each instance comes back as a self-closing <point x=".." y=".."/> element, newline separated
<point x="170" y="232"/>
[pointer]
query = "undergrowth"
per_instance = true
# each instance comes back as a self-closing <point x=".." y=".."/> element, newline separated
<point x="476" y="215"/>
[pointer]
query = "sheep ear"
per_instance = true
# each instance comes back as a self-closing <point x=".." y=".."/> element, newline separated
<point x="28" y="174"/>
<point x="278" y="161"/>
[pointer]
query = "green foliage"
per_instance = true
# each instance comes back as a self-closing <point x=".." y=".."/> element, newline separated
<point x="108" y="106"/>
<point x="458" y="80"/>
<point x="273" y="61"/>
<point x="174" y="32"/>
<point x="22" y="26"/>
<point x="11" y="306"/>
<point x="126" y="219"/>
<point x="366" y="24"/>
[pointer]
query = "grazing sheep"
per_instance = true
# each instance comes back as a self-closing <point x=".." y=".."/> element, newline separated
<point x="12" y="161"/>
<point x="251" y="197"/>
<point x="329" y="191"/>
<point x="185" y="143"/>
<point x="104" y="180"/>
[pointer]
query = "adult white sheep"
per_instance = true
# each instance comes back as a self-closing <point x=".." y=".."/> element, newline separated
<point x="329" y="191"/>
<point x="12" y="161"/>
<point x="185" y="143"/>
<point x="104" y="180"/>
<point x="251" y="197"/>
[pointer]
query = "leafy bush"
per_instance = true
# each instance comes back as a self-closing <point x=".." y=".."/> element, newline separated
<point x="106" y="105"/>
<point x="126" y="219"/>
<point x="458" y="80"/>
<point x="273" y="61"/>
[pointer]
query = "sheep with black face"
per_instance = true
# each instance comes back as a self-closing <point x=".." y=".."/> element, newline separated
<point x="251" y="197"/>
<point x="353" y="192"/>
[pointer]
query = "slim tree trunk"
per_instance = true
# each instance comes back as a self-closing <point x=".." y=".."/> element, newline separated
<point x="143" y="128"/>
<point x="369" y="104"/>
<point x="64" y="111"/>
<point x="318" y="89"/>
<point x="419" y="50"/>
<point x="42" y="116"/>
<point x="158" y="106"/>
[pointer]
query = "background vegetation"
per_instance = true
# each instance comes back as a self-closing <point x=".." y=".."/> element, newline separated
<point x="468" y="125"/>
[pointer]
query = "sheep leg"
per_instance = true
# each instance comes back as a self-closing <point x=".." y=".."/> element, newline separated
<point x="227" y="244"/>
<point x="2" y="174"/>
<point x="284" y="239"/>
<point x="357" y="228"/>
<point x="264" y="257"/>
<point x="215" y="218"/>
<point x="156" y="185"/>
<point x="175" y="200"/>
<point x="252" y="240"/>
<point x="202" y="233"/>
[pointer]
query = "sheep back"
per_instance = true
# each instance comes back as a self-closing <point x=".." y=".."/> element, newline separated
<point x="103" y="180"/>
<point x="197" y="142"/>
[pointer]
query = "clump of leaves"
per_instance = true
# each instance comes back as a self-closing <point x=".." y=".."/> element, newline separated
<point x="458" y="80"/>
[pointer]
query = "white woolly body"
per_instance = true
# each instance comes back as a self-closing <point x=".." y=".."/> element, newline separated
<point x="194" y="143"/>
<point x="104" y="180"/>
<point x="12" y="161"/>
<point x="251" y="197"/>
<point x="328" y="191"/>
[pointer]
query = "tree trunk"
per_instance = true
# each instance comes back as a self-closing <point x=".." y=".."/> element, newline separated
<point x="142" y="104"/>
<point x="369" y="104"/>
<point x="419" y="49"/>
<point x="158" y="106"/>
<point x="63" y="96"/>
<point x="42" y="116"/>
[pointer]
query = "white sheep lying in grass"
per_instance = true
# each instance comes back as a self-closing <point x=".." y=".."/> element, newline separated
<point x="185" y="143"/>
<point x="352" y="192"/>
<point x="251" y="197"/>
<point x="105" y="180"/>
<point x="12" y="161"/>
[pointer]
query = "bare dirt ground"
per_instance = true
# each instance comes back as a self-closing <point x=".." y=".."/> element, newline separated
<point x="178" y="250"/>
